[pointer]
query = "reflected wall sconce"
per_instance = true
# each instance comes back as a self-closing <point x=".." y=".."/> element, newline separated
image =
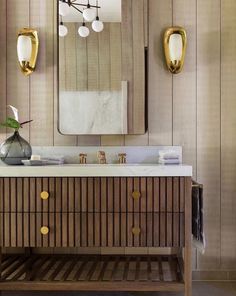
<point x="175" y="41"/>
<point x="27" y="50"/>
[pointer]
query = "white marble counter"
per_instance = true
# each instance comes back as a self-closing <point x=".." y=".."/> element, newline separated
<point x="95" y="170"/>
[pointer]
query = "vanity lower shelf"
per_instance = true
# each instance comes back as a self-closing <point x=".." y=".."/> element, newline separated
<point x="92" y="272"/>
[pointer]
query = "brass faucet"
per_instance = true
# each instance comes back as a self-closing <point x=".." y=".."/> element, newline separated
<point x="101" y="157"/>
<point x="122" y="158"/>
<point x="82" y="158"/>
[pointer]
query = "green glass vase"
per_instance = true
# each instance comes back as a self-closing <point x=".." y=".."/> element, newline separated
<point x="15" y="149"/>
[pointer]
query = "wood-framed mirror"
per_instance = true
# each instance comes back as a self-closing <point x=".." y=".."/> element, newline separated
<point x="101" y="77"/>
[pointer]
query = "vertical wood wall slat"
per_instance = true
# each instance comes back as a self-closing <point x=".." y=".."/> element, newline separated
<point x="103" y="62"/>
<point x="17" y="84"/>
<point x="184" y="85"/>
<point x="228" y="140"/>
<point x="3" y="67"/>
<point x="41" y="82"/>
<point x="81" y="62"/>
<point x="208" y="125"/>
<point x="138" y="104"/>
<point x="160" y="80"/>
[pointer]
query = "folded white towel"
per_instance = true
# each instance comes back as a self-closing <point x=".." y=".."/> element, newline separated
<point x="169" y="161"/>
<point x="54" y="160"/>
<point x="169" y="154"/>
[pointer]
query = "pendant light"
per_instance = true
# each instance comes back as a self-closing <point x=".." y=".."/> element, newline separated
<point x="63" y="31"/>
<point x="64" y="8"/>
<point x="83" y="31"/>
<point x="89" y="13"/>
<point x="97" y="25"/>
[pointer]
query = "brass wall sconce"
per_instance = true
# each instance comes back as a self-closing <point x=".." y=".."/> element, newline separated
<point x="175" y="41"/>
<point x="27" y="50"/>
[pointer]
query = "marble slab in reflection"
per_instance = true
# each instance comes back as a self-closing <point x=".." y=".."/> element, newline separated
<point x="93" y="112"/>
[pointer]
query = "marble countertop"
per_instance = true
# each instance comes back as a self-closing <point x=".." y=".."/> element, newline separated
<point x="96" y="170"/>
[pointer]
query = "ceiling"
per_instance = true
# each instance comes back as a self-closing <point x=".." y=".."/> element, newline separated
<point x="110" y="11"/>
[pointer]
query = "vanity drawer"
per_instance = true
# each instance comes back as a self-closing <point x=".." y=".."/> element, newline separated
<point x="91" y="230"/>
<point x="31" y="195"/>
<point x="92" y="195"/>
<point x="37" y="230"/>
<point x="131" y="230"/>
<point x="132" y="195"/>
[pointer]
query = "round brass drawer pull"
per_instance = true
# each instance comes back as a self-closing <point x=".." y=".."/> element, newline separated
<point x="44" y="230"/>
<point x="136" y="195"/>
<point x="44" y="195"/>
<point x="136" y="230"/>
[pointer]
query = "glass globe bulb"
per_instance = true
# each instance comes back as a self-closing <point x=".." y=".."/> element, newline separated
<point x="97" y="26"/>
<point x="64" y="8"/>
<point x="89" y="14"/>
<point x="63" y="30"/>
<point x="83" y="31"/>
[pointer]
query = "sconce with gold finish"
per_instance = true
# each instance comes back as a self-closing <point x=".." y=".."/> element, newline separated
<point x="175" y="41"/>
<point x="27" y="50"/>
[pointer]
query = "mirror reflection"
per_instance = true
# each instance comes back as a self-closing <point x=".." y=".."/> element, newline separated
<point x="92" y="95"/>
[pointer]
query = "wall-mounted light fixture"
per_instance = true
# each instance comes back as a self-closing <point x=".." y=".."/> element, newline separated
<point x="175" y="41"/>
<point x="27" y="50"/>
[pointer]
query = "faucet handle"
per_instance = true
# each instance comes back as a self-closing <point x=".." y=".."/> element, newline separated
<point x="122" y="157"/>
<point x="82" y="158"/>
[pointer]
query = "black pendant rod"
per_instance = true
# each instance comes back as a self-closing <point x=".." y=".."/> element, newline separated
<point x="94" y="6"/>
<point x="77" y="8"/>
<point x="72" y="2"/>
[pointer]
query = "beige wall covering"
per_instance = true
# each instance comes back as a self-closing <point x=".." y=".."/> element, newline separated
<point x="195" y="109"/>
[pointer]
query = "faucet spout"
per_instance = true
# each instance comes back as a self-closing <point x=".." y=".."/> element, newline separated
<point x="101" y="157"/>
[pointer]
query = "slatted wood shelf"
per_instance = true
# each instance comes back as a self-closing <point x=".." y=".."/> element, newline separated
<point x="91" y="272"/>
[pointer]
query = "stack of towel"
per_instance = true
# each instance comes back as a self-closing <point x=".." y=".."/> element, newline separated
<point x="54" y="160"/>
<point x="169" y="157"/>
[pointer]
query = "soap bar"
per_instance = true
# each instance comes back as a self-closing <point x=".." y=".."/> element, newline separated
<point x="35" y="157"/>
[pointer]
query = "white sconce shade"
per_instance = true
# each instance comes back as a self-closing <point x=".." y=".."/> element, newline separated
<point x="64" y="9"/>
<point x="89" y="14"/>
<point x="97" y="26"/>
<point x="175" y="42"/>
<point x="83" y="31"/>
<point x="176" y="47"/>
<point x="62" y="30"/>
<point x="27" y="50"/>
<point x="24" y="48"/>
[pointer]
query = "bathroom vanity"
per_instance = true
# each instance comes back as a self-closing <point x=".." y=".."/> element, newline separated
<point x="96" y="206"/>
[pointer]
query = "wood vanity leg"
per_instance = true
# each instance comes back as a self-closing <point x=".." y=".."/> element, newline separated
<point x="188" y="238"/>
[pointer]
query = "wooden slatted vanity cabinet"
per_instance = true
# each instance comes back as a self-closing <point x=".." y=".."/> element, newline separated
<point x="74" y="207"/>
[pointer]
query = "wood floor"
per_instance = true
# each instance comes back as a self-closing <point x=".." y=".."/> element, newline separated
<point x="199" y="289"/>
